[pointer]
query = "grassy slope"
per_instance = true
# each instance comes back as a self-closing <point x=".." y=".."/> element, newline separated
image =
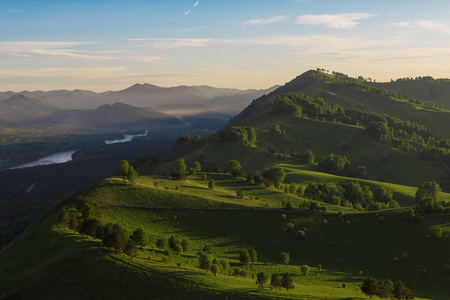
<point x="80" y="267"/>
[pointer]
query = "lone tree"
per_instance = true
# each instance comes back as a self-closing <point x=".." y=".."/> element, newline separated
<point x="204" y="261"/>
<point x="287" y="282"/>
<point x="304" y="269"/>
<point x="369" y="286"/>
<point x="130" y="248"/>
<point x="211" y="184"/>
<point x="275" y="281"/>
<point x="428" y="189"/>
<point x="261" y="279"/>
<point x="234" y="168"/>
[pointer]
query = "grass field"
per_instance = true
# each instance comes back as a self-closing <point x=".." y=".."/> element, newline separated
<point x="384" y="245"/>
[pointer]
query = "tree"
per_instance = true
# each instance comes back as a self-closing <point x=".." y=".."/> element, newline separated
<point x="89" y="227"/>
<point x="275" y="281"/>
<point x="261" y="279"/>
<point x="211" y="184"/>
<point x="287" y="282"/>
<point x="258" y="178"/>
<point x="253" y="255"/>
<point x="234" y="168"/>
<point x="73" y="223"/>
<point x="192" y="171"/>
<point x="132" y="175"/>
<point x="385" y="288"/>
<point x="284" y="258"/>
<point x="382" y="194"/>
<point x="185" y="244"/>
<point x="275" y="175"/>
<point x="122" y="169"/>
<point x="204" y="261"/>
<point x="428" y="189"/>
<point x="130" y="248"/>
<point x="369" y="286"/>
<point x="400" y="291"/>
<point x="197" y="166"/>
<point x="304" y="269"/>
<point x="87" y="212"/>
<point x="181" y="165"/>
<point x="215" y="268"/>
<point x="63" y="217"/>
<point x="292" y="188"/>
<point x="225" y="263"/>
<point x="139" y="237"/>
<point x="161" y="243"/>
<point x="244" y="257"/>
<point x="240" y="194"/>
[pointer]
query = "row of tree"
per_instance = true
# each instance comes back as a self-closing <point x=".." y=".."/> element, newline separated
<point x="385" y="289"/>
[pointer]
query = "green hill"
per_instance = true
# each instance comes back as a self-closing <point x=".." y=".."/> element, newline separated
<point x="54" y="262"/>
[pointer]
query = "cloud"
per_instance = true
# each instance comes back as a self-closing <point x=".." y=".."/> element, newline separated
<point x="196" y="3"/>
<point x="275" y="19"/>
<point x="172" y="43"/>
<point x="423" y="24"/>
<point x="334" y="21"/>
<point x="188" y="12"/>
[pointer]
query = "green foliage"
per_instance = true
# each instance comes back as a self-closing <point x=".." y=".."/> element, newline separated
<point x="287" y="282"/>
<point x="197" y="166"/>
<point x="234" y="168"/>
<point x="181" y="165"/>
<point x="369" y="286"/>
<point x="275" y="175"/>
<point x="334" y="164"/>
<point x="192" y="171"/>
<point x="204" y="261"/>
<point x="400" y="291"/>
<point x="241" y="135"/>
<point x="275" y="281"/>
<point x="244" y="257"/>
<point x="305" y="270"/>
<point x="139" y="237"/>
<point x="130" y="248"/>
<point x="261" y="279"/>
<point x="122" y="169"/>
<point x="211" y="184"/>
<point x="253" y="255"/>
<point x="63" y="217"/>
<point x="240" y="194"/>
<point x="284" y="258"/>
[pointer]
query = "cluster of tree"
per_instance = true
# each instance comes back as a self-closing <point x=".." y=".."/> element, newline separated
<point x="178" y="244"/>
<point x="340" y="165"/>
<point x="428" y="200"/>
<point x="248" y="256"/>
<point x="270" y="177"/>
<point x="241" y="135"/>
<point x="306" y="157"/>
<point x="406" y="135"/>
<point x="126" y="172"/>
<point x="234" y="169"/>
<point x="351" y="194"/>
<point x="182" y="140"/>
<point x="276" y="282"/>
<point x="385" y="289"/>
<point x="214" y="265"/>
<point x="112" y="235"/>
<point x="144" y="164"/>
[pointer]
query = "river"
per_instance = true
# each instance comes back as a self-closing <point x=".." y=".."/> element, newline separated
<point x="56" y="158"/>
<point x="126" y="138"/>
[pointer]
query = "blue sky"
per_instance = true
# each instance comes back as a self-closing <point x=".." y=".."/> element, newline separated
<point x="108" y="45"/>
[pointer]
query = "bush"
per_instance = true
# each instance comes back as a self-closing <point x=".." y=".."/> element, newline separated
<point x="301" y="234"/>
<point x="305" y="270"/>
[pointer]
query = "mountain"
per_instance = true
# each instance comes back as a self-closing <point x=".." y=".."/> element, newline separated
<point x="116" y="115"/>
<point x="180" y="100"/>
<point x="21" y="108"/>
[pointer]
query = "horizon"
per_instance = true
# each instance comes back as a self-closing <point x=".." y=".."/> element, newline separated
<point x="105" y="45"/>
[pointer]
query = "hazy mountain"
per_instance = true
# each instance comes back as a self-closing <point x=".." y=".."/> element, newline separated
<point x="118" y="114"/>
<point x="21" y="108"/>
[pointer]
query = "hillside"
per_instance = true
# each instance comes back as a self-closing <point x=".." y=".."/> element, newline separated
<point x="351" y="93"/>
<point x="70" y="265"/>
<point x="425" y="88"/>
<point x="20" y="109"/>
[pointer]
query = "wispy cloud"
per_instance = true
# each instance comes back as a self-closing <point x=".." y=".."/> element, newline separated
<point x="275" y="19"/>
<point x="423" y="24"/>
<point x="172" y="43"/>
<point x="188" y="12"/>
<point x="196" y="3"/>
<point x="35" y="49"/>
<point x="334" y="21"/>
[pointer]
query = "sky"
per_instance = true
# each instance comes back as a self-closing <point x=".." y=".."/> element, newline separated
<point x="104" y="45"/>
